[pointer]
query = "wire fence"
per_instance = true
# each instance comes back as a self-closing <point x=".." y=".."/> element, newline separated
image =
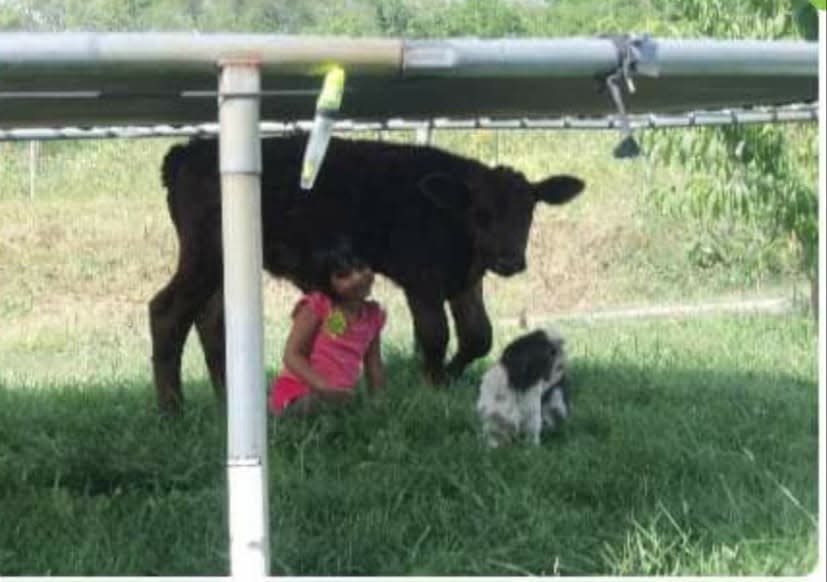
<point x="788" y="114"/>
<point x="35" y="161"/>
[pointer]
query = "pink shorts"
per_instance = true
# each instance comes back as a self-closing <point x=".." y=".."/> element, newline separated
<point x="283" y="391"/>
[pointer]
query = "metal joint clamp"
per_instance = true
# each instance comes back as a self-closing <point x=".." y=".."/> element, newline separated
<point x="629" y="50"/>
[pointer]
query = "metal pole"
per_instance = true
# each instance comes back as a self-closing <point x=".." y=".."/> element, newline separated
<point x="34" y="146"/>
<point x="496" y="147"/>
<point x="240" y="162"/>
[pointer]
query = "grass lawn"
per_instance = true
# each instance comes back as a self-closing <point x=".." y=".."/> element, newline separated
<point x="692" y="449"/>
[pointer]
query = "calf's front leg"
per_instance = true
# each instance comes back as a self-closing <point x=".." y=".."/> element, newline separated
<point x="431" y="331"/>
<point x="472" y="326"/>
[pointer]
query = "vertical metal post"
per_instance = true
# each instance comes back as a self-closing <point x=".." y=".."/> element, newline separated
<point x="496" y="147"/>
<point x="240" y="163"/>
<point x="819" y="283"/>
<point x="34" y="147"/>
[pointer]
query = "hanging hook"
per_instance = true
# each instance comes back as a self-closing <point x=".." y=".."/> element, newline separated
<point x="628" y="147"/>
<point x="628" y="55"/>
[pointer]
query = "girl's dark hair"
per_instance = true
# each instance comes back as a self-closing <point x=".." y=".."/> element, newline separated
<point x="335" y="256"/>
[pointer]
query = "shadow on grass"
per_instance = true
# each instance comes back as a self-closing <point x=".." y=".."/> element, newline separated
<point x="688" y="460"/>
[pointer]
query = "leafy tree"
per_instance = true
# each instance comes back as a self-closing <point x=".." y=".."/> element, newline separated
<point x="760" y="180"/>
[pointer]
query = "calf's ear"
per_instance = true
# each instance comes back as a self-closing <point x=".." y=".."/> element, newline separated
<point x="558" y="189"/>
<point x="445" y="191"/>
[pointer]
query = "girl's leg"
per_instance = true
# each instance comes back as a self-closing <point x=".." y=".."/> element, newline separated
<point x="312" y="404"/>
<point x="302" y="406"/>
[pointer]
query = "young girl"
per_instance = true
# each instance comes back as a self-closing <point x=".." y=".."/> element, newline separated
<point x="335" y="330"/>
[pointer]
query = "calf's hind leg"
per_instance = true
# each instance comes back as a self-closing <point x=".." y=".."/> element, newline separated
<point x="172" y="313"/>
<point x="210" y="327"/>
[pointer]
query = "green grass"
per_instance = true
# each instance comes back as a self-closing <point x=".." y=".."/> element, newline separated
<point x="692" y="449"/>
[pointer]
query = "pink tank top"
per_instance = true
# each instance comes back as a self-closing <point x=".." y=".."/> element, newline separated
<point x="337" y="351"/>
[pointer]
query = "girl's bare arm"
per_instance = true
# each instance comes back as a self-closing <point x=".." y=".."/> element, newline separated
<point x="297" y="349"/>
<point x="374" y="368"/>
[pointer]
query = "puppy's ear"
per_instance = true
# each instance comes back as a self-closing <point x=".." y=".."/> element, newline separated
<point x="555" y="340"/>
<point x="551" y="332"/>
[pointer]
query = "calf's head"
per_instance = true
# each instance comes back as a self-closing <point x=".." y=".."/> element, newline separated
<point x="496" y="207"/>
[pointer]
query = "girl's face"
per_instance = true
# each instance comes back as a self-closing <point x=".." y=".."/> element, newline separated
<point x="353" y="284"/>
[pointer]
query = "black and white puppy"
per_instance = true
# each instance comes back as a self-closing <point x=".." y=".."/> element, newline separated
<point x="526" y="391"/>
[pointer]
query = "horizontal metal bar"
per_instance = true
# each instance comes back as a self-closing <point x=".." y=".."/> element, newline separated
<point x="488" y="123"/>
<point x="578" y="57"/>
<point x="587" y="57"/>
<point x="60" y="95"/>
<point x="152" y="52"/>
<point x="167" y="95"/>
<point x="91" y="79"/>
<point x="709" y="57"/>
<point x="147" y="54"/>
<point x="794" y="114"/>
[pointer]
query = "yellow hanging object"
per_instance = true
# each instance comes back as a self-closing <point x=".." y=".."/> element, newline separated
<point x="332" y="89"/>
<point x="327" y="107"/>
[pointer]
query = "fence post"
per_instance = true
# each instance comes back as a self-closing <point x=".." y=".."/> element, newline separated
<point x="423" y="135"/>
<point x="240" y="164"/>
<point x="496" y="147"/>
<point x="34" y="150"/>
